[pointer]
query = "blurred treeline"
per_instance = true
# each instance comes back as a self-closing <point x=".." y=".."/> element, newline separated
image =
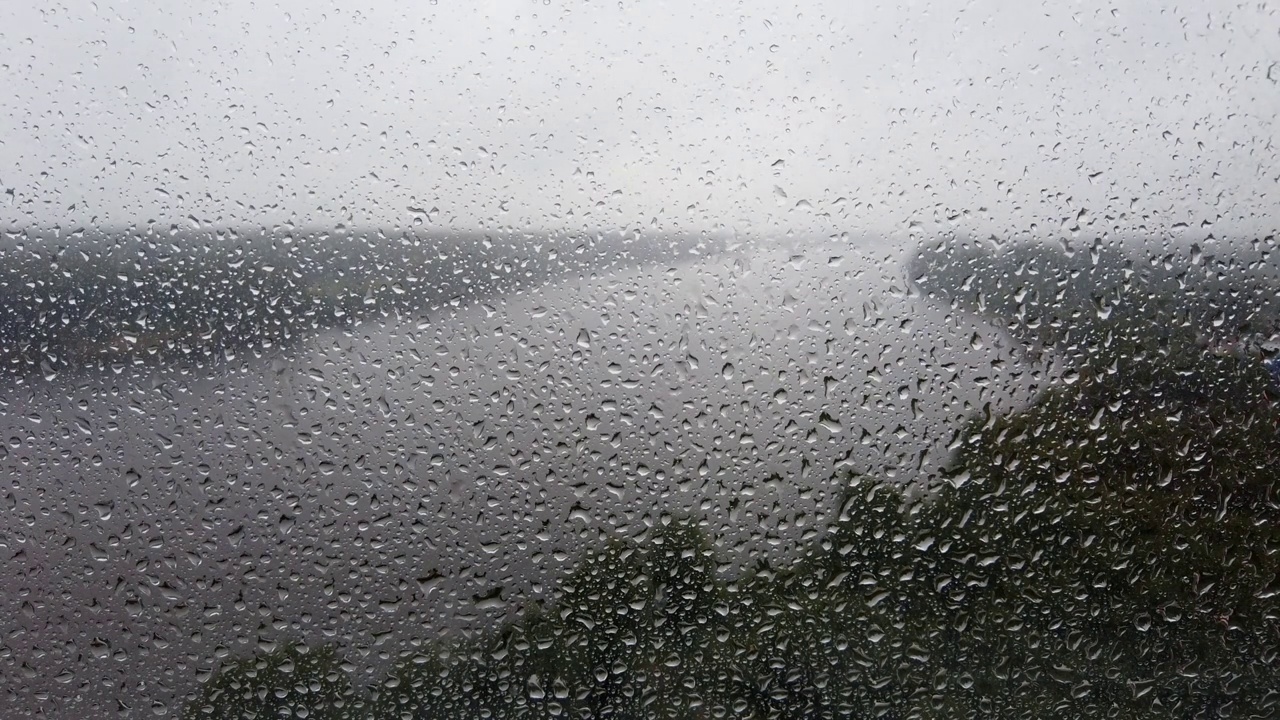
<point x="87" y="298"/>
<point x="1110" y="550"/>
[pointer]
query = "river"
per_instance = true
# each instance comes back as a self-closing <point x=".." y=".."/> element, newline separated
<point x="425" y="476"/>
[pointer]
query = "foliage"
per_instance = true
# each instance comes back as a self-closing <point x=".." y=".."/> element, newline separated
<point x="291" y="680"/>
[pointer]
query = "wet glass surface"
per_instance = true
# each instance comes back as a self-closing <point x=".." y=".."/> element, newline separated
<point x="639" y="361"/>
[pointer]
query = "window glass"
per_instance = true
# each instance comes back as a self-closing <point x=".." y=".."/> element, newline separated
<point x="644" y="360"/>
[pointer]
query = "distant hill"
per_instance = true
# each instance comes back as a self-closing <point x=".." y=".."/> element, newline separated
<point x="87" y="297"/>
<point x="1223" y="295"/>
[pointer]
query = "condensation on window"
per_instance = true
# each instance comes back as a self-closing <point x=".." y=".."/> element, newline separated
<point x="639" y="361"/>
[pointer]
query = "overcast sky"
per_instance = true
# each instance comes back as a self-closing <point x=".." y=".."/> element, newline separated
<point x="1003" y="117"/>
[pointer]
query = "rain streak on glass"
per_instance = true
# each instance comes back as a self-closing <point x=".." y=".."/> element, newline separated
<point x="639" y="361"/>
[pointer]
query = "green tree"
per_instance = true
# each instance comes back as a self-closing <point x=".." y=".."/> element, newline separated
<point x="634" y="633"/>
<point x="293" y="680"/>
